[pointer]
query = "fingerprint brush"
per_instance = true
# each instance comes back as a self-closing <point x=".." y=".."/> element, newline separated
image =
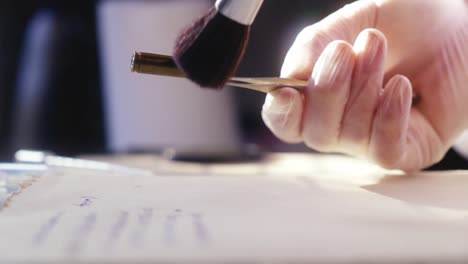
<point x="210" y="50"/>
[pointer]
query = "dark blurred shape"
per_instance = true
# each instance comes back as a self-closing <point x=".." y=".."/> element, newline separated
<point x="215" y="154"/>
<point x="50" y="95"/>
<point x="451" y="161"/>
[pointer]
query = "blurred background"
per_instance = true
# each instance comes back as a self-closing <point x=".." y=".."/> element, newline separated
<point x="66" y="86"/>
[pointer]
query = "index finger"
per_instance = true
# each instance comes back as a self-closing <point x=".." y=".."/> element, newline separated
<point x="345" y="24"/>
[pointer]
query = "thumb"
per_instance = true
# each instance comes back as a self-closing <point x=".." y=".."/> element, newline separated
<point x="345" y="24"/>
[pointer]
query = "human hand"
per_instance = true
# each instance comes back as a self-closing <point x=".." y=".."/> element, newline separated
<point x="387" y="82"/>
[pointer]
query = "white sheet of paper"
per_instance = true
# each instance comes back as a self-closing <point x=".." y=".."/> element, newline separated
<point x="321" y="213"/>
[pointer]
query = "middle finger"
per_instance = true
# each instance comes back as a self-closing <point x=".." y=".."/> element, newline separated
<point x="370" y="48"/>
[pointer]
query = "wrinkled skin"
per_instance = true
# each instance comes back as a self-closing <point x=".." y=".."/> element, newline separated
<point x="387" y="82"/>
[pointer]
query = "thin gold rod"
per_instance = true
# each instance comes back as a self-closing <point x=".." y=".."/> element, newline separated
<point x="155" y="64"/>
<point x="164" y="65"/>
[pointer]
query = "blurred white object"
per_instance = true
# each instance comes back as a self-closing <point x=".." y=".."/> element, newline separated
<point x="144" y="111"/>
<point x="26" y="156"/>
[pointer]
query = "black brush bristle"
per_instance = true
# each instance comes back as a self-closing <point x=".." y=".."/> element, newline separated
<point x="209" y="52"/>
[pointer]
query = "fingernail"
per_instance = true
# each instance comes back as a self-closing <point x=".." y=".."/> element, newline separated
<point x="276" y="108"/>
<point x="394" y="85"/>
<point x="334" y="64"/>
<point x="405" y="96"/>
<point x="368" y="44"/>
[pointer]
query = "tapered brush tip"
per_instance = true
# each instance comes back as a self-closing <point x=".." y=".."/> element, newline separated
<point x="210" y="50"/>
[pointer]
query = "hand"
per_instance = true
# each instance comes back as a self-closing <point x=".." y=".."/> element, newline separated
<point x="388" y="81"/>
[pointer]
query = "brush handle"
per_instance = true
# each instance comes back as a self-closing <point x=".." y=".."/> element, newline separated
<point x="241" y="11"/>
<point x="164" y="65"/>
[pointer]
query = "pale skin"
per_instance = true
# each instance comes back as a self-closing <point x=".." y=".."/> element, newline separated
<point x="388" y="81"/>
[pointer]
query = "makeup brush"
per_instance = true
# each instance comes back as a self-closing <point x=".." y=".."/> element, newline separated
<point x="210" y="50"/>
<point x="164" y="65"/>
